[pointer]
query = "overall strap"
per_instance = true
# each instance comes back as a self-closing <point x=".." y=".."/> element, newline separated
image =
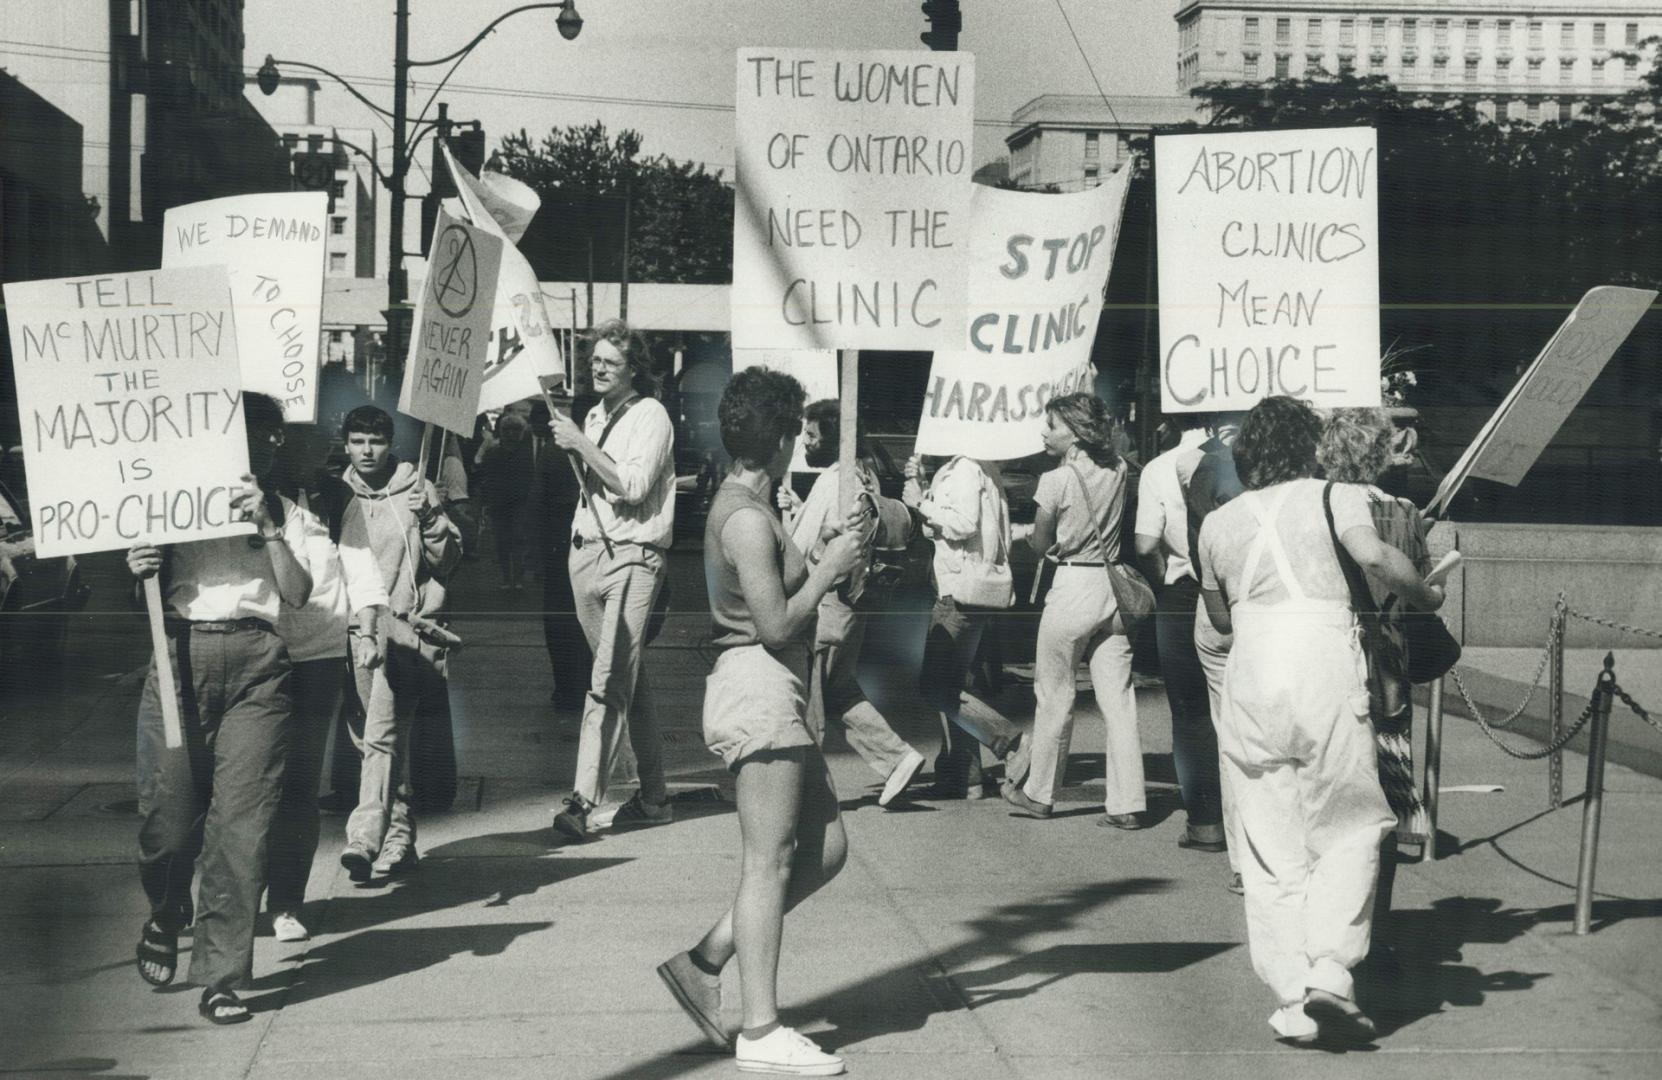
<point x="1269" y="540"/>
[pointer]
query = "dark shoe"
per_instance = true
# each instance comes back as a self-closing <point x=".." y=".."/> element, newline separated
<point x="573" y="822"/>
<point x="158" y="954"/>
<point x="637" y="813"/>
<point x="1235" y="885"/>
<point x="359" y="863"/>
<point x="397" y="858"/>
<point x="1018" y="761"/>
<point x="1128" y="822"/>
<point x="1203" y="838"/>
<point x="1339" y="1020"/>
<point x="1017" y="798"/>
<point x="223" y="1007"/>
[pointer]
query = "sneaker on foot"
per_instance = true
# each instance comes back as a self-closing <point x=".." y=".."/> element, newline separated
<point x="698" y="994"/>
<point x="397" y="858"/>
<point x="286" y="927"/>
<point x="1128" y="822"/>
<point x="357" y="860"/>
<point x="638" y="813"/>
<point x="1338" y="1019"/>
<point x="573" y="821"/>
<point x="785" y="1051"/>
<point x="903" y="774"/>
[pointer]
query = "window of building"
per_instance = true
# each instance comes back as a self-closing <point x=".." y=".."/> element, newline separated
<point x="1566" y="35"/>
<point x="1439" y="32"/>
<point x="1410" y="33"/>
<point x="337" y="188"/>
<point x="1093" y="176"/>
<point x="1514" y="110"/>
<point x="1376" y="63"/>
<point x="1347" y="31"/>
<point x="1474" y="27"/>
<point x="1535" y="33"/>
<point x="1251" y="30"/>
<point x="1632" y="35"/>
<point x="1283" y="31"/>
<point x="1249" y="65"/>
<point x="1376" y="32"/>
<point x="1598" y="35"/>
<point x="291" y="140"/>
<point x="1503" y="33"/>
<point x="337" y="336"/>
<point x="1534" y="72"/>
<point x="1471" y="69"/>
<point x="1503" y="69"/>
<point x="1347" y="64"/>
<point x="1598" y="71"/>
<point x="337" y="262"/>
<point x="1313" y="32"/>
<point x="1281" y="66"/>
<point x="337" y="226"/>
<point x="1566" y="112"/>
<point x="1533" y="111"/>
<point x="1566" y="70"/>
<point x="1439" y="68"/>
<point x="1632" y="67"/>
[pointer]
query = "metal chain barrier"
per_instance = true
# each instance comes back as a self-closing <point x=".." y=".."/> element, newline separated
<point x="1616" y="688"/>
<point x="1555" y="640"/>
<point x="1610" y="623"/>
<point x="1535" y="755"/>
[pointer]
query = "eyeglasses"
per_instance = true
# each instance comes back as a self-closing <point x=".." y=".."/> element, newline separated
<point x="617" y="364"/>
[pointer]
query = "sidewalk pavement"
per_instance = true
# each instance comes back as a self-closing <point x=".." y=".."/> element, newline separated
<point x="960" y="941"/>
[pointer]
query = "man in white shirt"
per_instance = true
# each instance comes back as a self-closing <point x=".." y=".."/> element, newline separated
<point x="620" y="538"/>
<point x="208" y="804"/>
<point x="1162" y="532"/>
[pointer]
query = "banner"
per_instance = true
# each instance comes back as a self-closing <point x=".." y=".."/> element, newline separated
<point x="1038" y="266"/>
<point x="815" y="369"/>
<point x="1554" y="383"/>
<point x="1269" y="268"/>
<point x="522" y="345"/>
<point x="851" y="210"/>
<point x="129" y="399"/>
<point x="446" y="366"/>
<point x="272" y="246"/>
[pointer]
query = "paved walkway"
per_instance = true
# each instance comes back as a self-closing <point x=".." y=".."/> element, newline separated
<point x="960" y="941"/>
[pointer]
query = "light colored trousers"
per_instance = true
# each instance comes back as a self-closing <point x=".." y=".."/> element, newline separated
<point x="835" y="692"/>
<point x="391" y="695"/>
<point x="1213" y="650"/>
<point x="1074" y="627"/>
<point x="1298" y="751"/>
<point x="614" y="594"/>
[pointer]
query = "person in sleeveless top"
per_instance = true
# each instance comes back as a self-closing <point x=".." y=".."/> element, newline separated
<point x="1298" y="753"/>
<point x="1081" y="502"/>
<point x="763" y="601"/>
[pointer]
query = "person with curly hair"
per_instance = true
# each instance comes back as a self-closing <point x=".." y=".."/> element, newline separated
<point x="1298" y="753"/>
<point x="620" y="537"/>
<point x="1081" y="504"/>
<point x="763" y="602"/>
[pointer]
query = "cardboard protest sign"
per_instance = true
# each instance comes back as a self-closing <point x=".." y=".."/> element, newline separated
<point x="272" y="246"/>
<point x="1038" y="266"/>
<point x="815" y="369"/>
<point x="130" y="401"/>
<point x="852" y="207"/>
<point x="1549" y="390"/>
<point x="1269" y="268"/>
<point x="446" y="365"/>
<point x="522" y="344"/>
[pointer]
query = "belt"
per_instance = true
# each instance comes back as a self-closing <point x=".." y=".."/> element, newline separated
<point x="579" y="540"/>
<point x="222" y="626"/>
<point x="1080" y="562"/>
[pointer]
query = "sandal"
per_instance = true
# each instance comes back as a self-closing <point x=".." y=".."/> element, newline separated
<point x="223" y="1007"/>
<point x="160" y="949"/>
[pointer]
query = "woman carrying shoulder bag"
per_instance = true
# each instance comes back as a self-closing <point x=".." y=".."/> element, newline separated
<point x="1081" y="504"/>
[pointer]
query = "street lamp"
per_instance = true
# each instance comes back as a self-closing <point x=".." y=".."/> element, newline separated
<point x="569" y="23"/>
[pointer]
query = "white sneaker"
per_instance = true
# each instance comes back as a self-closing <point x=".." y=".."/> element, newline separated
<point x="285" y="927"/>
<point x="902" y="775"/>
<point x="787" y="1052"/>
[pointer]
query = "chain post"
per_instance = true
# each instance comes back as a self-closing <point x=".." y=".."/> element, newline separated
<point x="1433" y="768"/>
<point x="1555" y="692"/>
<point x="1592" y="807"/>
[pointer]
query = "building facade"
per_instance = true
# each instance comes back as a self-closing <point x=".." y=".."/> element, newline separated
<point x="1071" y="141"/>
<point x="1528" y="60"/>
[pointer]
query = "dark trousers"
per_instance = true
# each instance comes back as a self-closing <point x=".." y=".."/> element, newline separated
<point x="569" y="658"/>
<point x="1194" y="743"/>
<point x="208" y="805"/>
<point x="955" y="632"/>
<point x="318" y="687"/>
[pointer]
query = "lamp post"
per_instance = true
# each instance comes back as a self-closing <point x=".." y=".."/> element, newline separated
<point x="569" y="23"/>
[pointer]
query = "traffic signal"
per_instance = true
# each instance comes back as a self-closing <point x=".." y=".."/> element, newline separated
<point x="945" y="20"/>
<point x="316" y="172"/>
<point x="468" y="146"/>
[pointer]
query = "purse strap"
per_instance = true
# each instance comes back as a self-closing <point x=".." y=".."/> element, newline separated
<point x="1361" y="597"/>
<point x="588" y="474"/>
<point x="1108" y="560"/>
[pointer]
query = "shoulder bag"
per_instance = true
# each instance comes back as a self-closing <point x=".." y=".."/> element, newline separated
<point x="1132" y="594"/>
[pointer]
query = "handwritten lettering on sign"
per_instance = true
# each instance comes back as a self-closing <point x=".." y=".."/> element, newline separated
<point x="129" y="395"/>
<point x="852" y="198"/>
<point x="1269" y="268"/>
<point x="273" y="248"/>
<point x="446" y="365"/>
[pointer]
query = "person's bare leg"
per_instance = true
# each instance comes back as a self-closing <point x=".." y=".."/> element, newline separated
<point x="769" y="790"/>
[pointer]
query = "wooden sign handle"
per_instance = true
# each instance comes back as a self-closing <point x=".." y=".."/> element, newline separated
<point x="166" y="689"/>
<point x="848" y="417"/>
<point x="426" y="444"/>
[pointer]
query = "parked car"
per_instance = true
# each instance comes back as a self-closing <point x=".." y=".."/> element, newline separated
<point x="37" y="595"/>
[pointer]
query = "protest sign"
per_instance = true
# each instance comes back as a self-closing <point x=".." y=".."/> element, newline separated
<point x="1269" y="268"/>
<point x="446" y="365"/>
<point x="1550" y="388"/>
<point x="852" y="198"/>
<point x="815" y="369"/>
<point x="522" y="345"/>
<point x="272" y="247"/>
<point x="129" y="398"/>
<point x="1038" y="266"/>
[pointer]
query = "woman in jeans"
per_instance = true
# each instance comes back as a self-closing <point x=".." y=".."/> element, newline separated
<point x="1078" y="528"/>
<point x="763" y="602"/>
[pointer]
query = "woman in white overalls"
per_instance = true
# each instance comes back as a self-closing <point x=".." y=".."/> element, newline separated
<point x="1296" y="742"/>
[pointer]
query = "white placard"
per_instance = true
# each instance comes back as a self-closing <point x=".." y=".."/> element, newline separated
<point x="446" y="365"/>
<point x="129" y="397"/>
<point x="1269" y="268"/>
<point x="851" y="214"/>
<point x="1038" y="265"/>
<point x="815" y="369"/>
<point x="273" y="248"/>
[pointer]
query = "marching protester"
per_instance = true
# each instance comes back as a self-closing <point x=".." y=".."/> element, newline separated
<point x="1077" y="529"/>
<point x="1297" y="745"/>
<point x="1357" y="447"/>
<point x="965" y="512"/>
<point x="763" y="600"/>
<point x="317" y="638"/>
<point x="624" y="524"/>
<point x="507" y="466"/>
<point x="1162" y="538"/>
<point x="208" y="804"/>
<point x="396" y="515"/>
<point x="834" y="691"/>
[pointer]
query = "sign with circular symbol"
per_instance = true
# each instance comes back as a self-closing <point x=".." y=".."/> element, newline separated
<point x="314" y="171"/>
<point x="456" y="279"/>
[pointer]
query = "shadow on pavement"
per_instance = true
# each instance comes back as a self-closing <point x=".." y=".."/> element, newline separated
<point x="83" y="1066"/>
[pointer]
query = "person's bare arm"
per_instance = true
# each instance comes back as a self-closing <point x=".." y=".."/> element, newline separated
<point x="1152" y="555"/>
<point x="748" y="540"/>
<point x="1043" y="536"/>
<point x="1391" y="568"/>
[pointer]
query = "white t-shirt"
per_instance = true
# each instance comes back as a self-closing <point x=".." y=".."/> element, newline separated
<point x="224" y="578"/>
<point x="1228" y="533"/>
<point x="1161" y="511"/>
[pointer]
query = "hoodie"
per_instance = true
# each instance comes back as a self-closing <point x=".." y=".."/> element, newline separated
<point x="412" y="558"/>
